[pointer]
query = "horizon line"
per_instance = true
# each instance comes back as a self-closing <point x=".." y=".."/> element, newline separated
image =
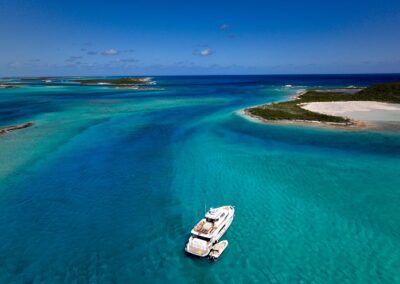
<point x="206" y="75"/>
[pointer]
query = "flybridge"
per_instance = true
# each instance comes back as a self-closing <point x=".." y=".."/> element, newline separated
<point x="214" y="214"/>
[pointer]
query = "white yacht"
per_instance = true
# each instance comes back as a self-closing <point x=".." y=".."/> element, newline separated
<point x="209" y="230"/>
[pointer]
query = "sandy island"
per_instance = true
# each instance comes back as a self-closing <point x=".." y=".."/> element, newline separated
<point x="377" y="106"/>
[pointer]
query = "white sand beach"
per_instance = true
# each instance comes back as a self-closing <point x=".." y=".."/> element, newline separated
<point x="358" y="110"/>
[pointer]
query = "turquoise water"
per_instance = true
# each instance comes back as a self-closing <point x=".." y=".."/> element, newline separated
<point x="107" y="185"/>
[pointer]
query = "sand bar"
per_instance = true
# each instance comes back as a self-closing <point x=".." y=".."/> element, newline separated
<point x="358" y="110"/>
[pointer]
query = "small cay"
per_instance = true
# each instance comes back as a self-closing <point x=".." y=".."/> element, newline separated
<point x="128" y="82"/>
<point x="9" y="86"/>
<point x="7" y="129"/>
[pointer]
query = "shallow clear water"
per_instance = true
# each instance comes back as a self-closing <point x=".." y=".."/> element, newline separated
<point x="107" y="185"/>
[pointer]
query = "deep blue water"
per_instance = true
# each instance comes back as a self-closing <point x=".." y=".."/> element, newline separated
<point x="107" y="185"/>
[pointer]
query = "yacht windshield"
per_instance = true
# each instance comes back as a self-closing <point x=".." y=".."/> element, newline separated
<point x="201" y="238"/>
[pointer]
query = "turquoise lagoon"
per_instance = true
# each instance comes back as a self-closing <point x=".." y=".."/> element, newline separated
<point x="107" y="185"/>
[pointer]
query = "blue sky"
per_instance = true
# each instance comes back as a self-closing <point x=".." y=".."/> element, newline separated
<point x="198" y="37"/>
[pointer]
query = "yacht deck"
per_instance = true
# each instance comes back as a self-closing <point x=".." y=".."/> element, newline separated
<point x="204" y="227"/>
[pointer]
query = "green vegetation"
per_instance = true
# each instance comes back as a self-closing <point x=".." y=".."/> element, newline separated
<point x="291" y="110"/>
<point x="389" y="92"/>
<point x="116" y="81"/>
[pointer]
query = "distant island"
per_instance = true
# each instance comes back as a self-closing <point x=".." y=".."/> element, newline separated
<point x="129" y="81"/>
<point x="334" y="106"/>
<point x="37" y="78"/>
<point x="9" y="86"/>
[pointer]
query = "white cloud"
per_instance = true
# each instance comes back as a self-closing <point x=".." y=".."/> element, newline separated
<point x="73" y="58"/>
<point x="203" y="50"/>
<point x="206" y="52"/>
<point x="16" y="64"/>
<point x="224" y="27"/>
<point x="111" y="51"/>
